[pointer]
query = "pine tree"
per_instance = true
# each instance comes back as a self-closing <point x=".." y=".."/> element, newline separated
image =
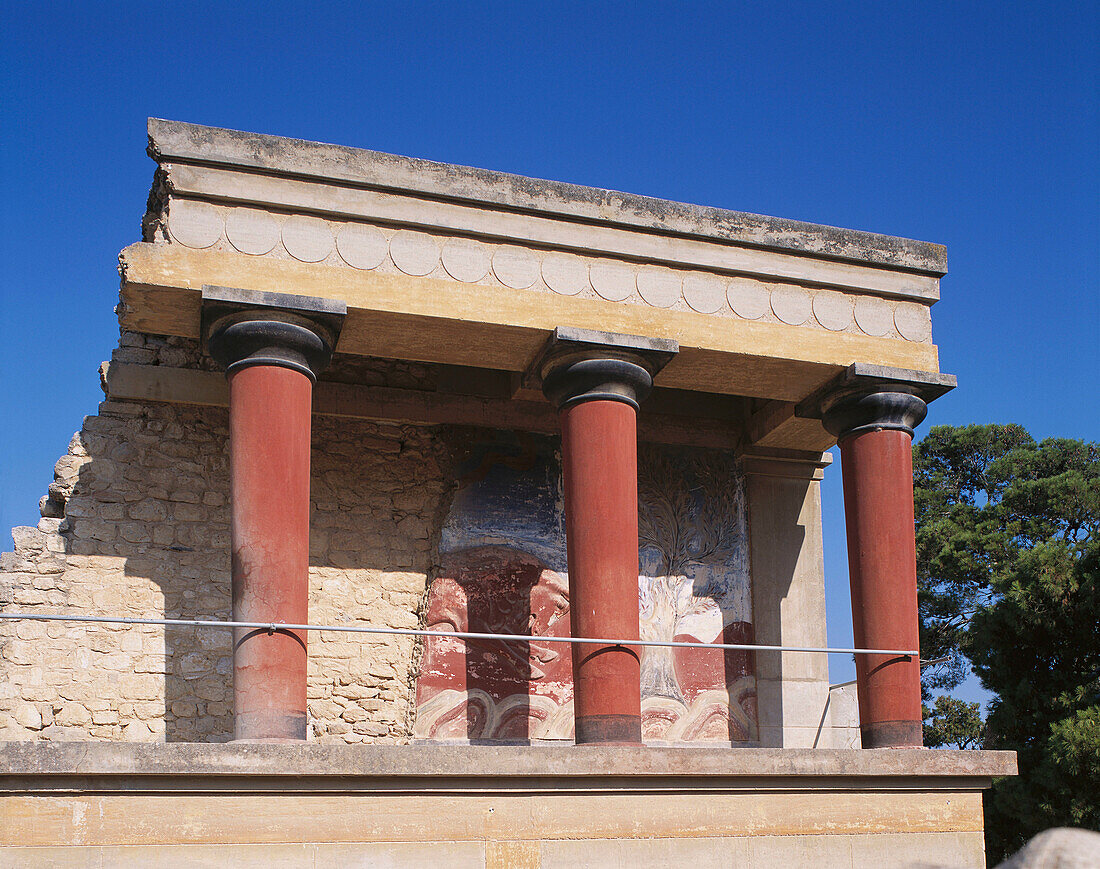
<point x="1008" y="555"/>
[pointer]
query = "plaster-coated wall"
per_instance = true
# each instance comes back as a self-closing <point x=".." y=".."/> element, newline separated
<point x="503" y="570"/>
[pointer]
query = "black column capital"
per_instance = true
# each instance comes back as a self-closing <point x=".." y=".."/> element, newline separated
<point x="875" y="410"/>
<point x="867" y="397"/>
<point x="242" y="328"/>
<point x="580" y="365"/>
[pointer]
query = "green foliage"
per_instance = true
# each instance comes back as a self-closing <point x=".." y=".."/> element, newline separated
<point x="959" y="544"/>
<point x="954" y="724"/>
<point x="1008" y="555"/>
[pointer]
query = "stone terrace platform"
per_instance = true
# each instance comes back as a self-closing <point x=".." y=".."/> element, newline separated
<point x="111" y="804"/>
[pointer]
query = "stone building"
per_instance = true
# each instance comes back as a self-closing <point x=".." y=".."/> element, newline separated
<point x="364" y="391"/>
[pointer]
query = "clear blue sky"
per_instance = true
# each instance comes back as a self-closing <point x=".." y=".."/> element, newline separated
<point x="969" y="124"/>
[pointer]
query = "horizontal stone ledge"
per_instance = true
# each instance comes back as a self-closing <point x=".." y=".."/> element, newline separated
<point x="108" y="759"/>
<point x="202" y="197"/>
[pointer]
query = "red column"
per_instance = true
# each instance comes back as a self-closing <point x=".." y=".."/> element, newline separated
<point x="600" y="468"/>
<point x="874" y="428"/>
<point x="272" y="347"/>
<point x="597" y="381"/>
<point x="269" y="447"/>
<point x="878" y="507"/>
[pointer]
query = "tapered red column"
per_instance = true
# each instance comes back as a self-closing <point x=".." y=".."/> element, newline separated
<point x="875" y="434"/>
<point x="269" y="439"/>
<point x="600" y="467"/>
<point x="272" y="356"/>
<point x="597" y="389"/>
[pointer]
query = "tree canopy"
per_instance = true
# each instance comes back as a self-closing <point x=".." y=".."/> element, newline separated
<point x="1008" y="556"/>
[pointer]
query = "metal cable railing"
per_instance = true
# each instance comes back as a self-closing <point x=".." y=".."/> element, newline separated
<point x="272" y="627"/>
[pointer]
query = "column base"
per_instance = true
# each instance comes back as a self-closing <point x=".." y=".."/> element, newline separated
<point x="892" y="734"/>
<point x="269" y="727"/>
<point x="622" y="729"/>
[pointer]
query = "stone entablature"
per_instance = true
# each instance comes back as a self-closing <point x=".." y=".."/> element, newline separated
<point x="173" y="143"/>
<point x="459" y="266"/>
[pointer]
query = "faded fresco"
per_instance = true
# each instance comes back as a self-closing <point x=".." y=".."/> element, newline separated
<point x="503" y="570"/>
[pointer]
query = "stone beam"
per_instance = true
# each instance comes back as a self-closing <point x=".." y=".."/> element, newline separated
<point x="198" y="183"/>
<point x="44" y="761"/>
<point x="777" y="426"/>
<point x="402" y="316"/>
<point x="663" y="420"/>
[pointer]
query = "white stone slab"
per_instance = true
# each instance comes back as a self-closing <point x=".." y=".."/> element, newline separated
<point x="415" y="253"/>
<point x="658" y="286"/>
<point x="614" y="281"/>
<point x="465" y="260"/>
<point x="748" y="298"/>
<point x="307" y="239"/>
<point x="194" y="224"/>
<point x="873" y="315"/>
<point x="362" y="247"/>
<point x="252" y="232"/>
<point x="913" y="321"/>
<point x="833" y="310"/>
<point x="564" y="274"/>
<point x="515" y="267"/>
<point x="704" y="293"/>
<point x="791" y="304"/>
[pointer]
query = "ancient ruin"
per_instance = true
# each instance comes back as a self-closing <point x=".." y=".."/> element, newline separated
<point x="362" y="393"/>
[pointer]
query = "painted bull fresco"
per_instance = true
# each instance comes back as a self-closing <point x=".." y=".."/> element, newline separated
<point x="502" y="569"/>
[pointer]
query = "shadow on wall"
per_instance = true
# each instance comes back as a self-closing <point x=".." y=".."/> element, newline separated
<point x="137" y="525"/>
<point x="788" y="601"/>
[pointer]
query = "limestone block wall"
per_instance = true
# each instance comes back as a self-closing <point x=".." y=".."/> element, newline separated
<point x="136" y="523"/>
<point x="141" y="497"/>
<point x="376" y="492"/>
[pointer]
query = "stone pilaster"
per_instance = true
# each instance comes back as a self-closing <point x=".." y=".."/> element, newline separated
<point x="783" y="493"/>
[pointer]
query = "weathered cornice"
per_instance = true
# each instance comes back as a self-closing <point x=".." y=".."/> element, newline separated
<point x="182" y="143"/>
